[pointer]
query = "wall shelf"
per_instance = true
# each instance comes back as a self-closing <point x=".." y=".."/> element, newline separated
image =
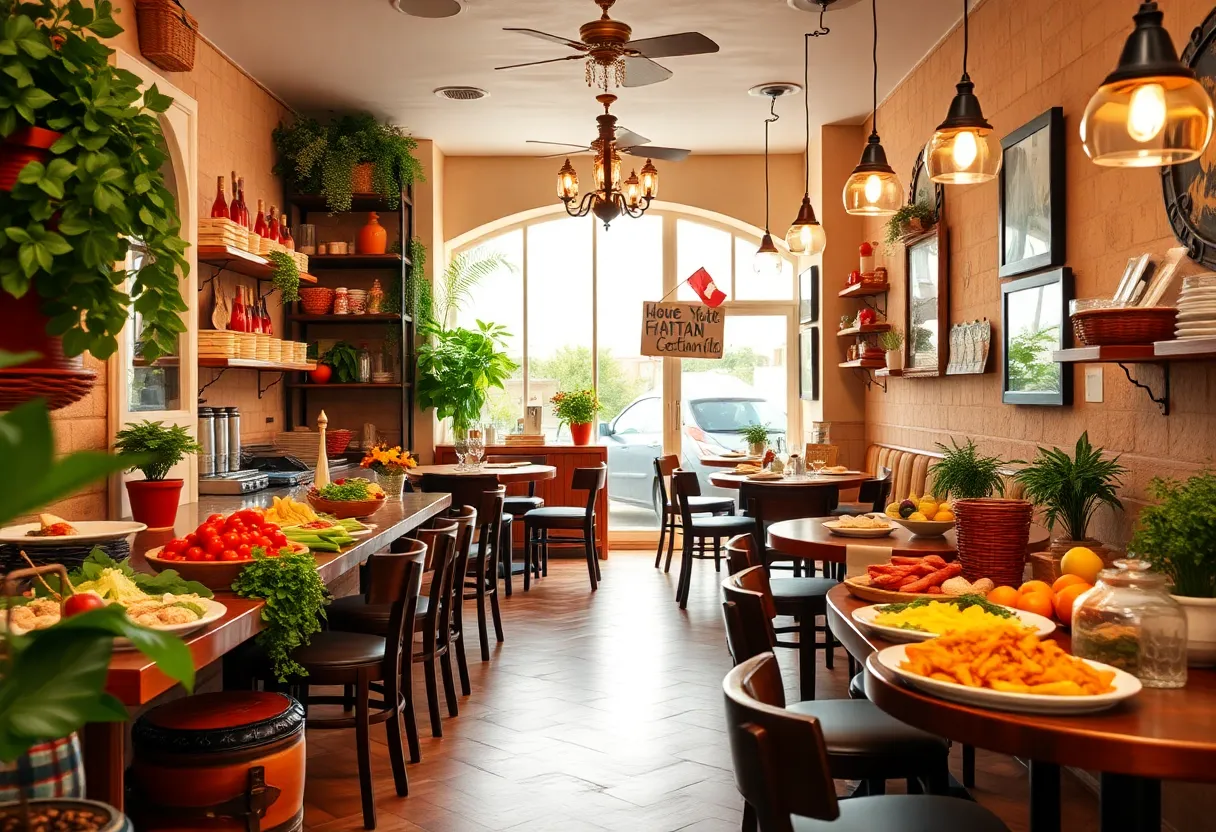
<point x="354" y="261"/>
<point x="251" y="364"/>
<point x="387" y="318"/>
<point x="355" y="385"/>
<point x="865" y="329"/>
<point x="358" y="202"/>
<point x="229" y="258"/>
<point x="865" y="368"/>
<point x="1162" y="353"/>
<point x="864" y="290"/>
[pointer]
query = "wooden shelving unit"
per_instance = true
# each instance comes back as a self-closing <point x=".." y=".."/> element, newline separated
<point x="907" y="373"/>
<point x="252" y="364"/>
<point x="1161" y="353"/>
<point x="865" y="329"/>
<point x="358" y="202"/>
<point x="864" y="290"/>
<point x="228" y="258"/>
<point x="344" y="386"/>
<point x="344" y="320"/>
<point x="318" y="262"/>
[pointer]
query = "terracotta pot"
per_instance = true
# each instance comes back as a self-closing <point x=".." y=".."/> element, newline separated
<point x="361" y="178"/>
<point x="580" y="432"/>
<point x="373" y="239"/>
<point x="59" y="380"/>
<point x="154" y="502"/>
<point x="29" y="144"/>
<point x="992" y="535"/>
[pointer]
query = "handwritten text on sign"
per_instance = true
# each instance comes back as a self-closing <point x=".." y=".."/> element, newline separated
<point x="682" y="330"/>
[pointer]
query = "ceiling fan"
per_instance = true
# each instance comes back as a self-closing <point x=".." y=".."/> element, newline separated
<point x="627" y="142"/>
<point x="610" y="55"/>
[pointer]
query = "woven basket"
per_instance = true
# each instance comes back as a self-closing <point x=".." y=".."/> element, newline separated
<point x="1109" y="327"/>
<point x="992" y="535"/>
<point x="167" y="34"/>
<point x="361" y="179"/>
<point x="336" y="441"/>
<point x="316" y="300"/>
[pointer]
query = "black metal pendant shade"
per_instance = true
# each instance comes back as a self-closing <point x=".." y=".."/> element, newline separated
<point x="873" y="158"/>
<point x="965" y="110"/>
<point x="1149" y="50"/>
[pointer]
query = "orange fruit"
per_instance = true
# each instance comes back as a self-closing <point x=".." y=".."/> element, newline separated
<point x="1036" y="602"/>
<point x="1006" y="596"/>
<point x="1065" y="600"/>
<point x="1036" y="586"/>
<point x="1067" y="580"/>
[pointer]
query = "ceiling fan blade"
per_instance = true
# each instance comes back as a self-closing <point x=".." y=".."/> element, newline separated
<point x="550" y="61"/>
<point x="573" y="44"/>
<point x="627" y="138"/>
<point x="559" y="144"/>
<point x="663" y="154"/>
<point x="641" y="72"/>
<point x="673" y="46"/>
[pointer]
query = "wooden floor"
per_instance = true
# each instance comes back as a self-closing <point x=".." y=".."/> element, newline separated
<point x="600" y="712"/>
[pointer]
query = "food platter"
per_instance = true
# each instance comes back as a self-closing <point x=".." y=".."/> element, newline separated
<point x="882" y="596"/>
<point x="213" y="574"/>
<point x="865" y="617"/>
<point x="1125" y="686"/>
<point x="88" y="531"/>
<point x="215" y="611"/>
<point x="835" y="528"/>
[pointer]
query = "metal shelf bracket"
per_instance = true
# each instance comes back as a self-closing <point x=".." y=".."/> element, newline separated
<point x="1163" y="400"/>
<point x="869" y="378"/>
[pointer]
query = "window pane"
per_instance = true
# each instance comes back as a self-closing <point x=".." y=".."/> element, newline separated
<point x="702" y="246"/>
<point x="630" y="271"/>
<point x="753" y="287"/>
<point x="559" y="313"/>
<point x="499" y="298"/>
<point x="150" y="387"/>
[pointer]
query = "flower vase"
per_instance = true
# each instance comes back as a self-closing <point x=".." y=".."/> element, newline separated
<point x="580" y="432"/>
<point x="393" y="484"/>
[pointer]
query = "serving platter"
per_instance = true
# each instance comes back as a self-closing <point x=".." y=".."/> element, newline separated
<point x="881" y="596"/>
<point x="215" y="611"/>
<point x="1125" y="686"/>
<point x="835" y="528"/>
<point x="88" y="531"/>
<point x="865" y="617"/>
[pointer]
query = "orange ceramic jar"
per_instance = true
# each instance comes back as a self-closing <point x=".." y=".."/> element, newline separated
<point x="373" y="239"/>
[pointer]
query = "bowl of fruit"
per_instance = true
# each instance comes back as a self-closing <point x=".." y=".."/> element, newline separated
<point x="350" y="497"/>
<point x="216" y="552"/>
<point x="923" y="516"/>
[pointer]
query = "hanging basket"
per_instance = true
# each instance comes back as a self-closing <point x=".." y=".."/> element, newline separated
<point x="59" y="380"/>
<point x="167" y="34"/>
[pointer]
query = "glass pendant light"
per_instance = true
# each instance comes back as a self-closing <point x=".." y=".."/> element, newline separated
<point x="964" y="150"/>
<point x="1151" y="110"/>
<point x="767" y="260"/>
<point x="873" y="189"/>
<point x="567" y="183"/>
<point x="806" y="235"/>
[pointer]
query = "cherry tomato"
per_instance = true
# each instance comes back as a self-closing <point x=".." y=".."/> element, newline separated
<point x="194" y="553"/>
<point x="265" y="542"/>
<point x="231" y="540"/>
<point x="215" y="518"/>
<point x="209" y="556"/>
<point x="267" y="528"/>
<point x="213" y="546"/>
<point x="81" y="602"/>
<point x="229" y="554"/>
<point x="245" y="551"/>
<point x="278" y="539"/>
<point x="191" y="540"/>
<point x="174" y="546"/>
<point x="251" y="516"/>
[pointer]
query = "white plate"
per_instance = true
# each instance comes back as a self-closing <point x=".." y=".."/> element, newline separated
<point x="834" y="527"/>
<point x="865" y="617"/>
<point x="1125" y="687"/>
<point x="1203" y="313"/>
<point x="1209" y="329"/>
<point x="88" y="531"/>
<point x="215" y="611"/>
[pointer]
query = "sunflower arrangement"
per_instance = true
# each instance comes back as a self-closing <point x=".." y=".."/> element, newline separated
<point x="385" y="460"/>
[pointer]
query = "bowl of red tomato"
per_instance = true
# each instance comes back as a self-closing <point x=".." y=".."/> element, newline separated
<point x="216" y="552"/>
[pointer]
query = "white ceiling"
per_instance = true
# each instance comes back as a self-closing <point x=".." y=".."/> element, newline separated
<point x="362" y="54"/>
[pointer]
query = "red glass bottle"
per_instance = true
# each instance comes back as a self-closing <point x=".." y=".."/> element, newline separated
<point x="244" y="205"/>
<point x="238" y="322"/>
<point x="272" y="224"/>
<point x="267" y="324"/>
<point x="259" y="220"/>
<point x="285" y="234"/>
<point x="219" y="208"/>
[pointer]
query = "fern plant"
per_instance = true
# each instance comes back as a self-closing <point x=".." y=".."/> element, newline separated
<point x="464" y="273"/>
<point x="964" y="474"/>
<point x="1071" y="489"/>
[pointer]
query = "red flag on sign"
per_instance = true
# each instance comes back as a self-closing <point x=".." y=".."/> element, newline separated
<point x="704" y="286"/>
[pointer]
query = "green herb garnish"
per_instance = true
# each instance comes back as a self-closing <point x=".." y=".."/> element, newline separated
<point x="960" y="601"/>
<point x="295" y="602"/>
<point x="352" y="490"/>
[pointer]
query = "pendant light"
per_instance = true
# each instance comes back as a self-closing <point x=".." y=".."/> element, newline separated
<point x="1151" y="110"/>
<point x="964" y="150"/>
<point x="766" y="262"/>
<point x="806" y="236"/>
<point x="873" y="189"/>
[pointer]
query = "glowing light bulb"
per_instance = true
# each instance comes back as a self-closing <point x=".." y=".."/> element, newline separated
<point x="964" y="150"/>
<point x="873" y="189"/>
<point x="1146" y="112"/>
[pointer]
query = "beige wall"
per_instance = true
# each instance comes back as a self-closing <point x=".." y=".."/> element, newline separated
<point x="1027" y="56"/>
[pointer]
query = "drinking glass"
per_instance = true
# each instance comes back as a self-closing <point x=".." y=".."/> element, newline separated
<point x="477" y="447"/>
<point x="462" y="449"/>
<point x="817" y="465"/>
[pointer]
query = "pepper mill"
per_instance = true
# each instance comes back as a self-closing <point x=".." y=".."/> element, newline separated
<point x="321" y="478"/>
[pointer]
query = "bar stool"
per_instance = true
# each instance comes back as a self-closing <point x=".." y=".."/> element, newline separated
<point x="539" y="521"/>
<point x="664" y="467"/>
<point x="700" y="528"/>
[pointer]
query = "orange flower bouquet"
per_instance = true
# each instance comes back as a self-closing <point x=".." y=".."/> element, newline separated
<point x="389" y="466"/>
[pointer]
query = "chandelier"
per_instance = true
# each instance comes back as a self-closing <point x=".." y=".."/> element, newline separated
<point x="612" y="197"/>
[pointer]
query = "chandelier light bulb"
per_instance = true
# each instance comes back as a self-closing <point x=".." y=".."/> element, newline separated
<point x="1146" y="115"/>
<point x="650" y="180"/>
<point x="873" y="188"/>
<point x="567" y="183"/>
<point x="965" y="149"/>
<point x="633" y="190"/>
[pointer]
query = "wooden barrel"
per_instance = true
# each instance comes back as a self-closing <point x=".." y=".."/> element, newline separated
<point x="220" y="761"/>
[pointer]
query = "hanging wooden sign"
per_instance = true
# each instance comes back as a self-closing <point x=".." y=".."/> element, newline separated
<point x="682" y="330"/>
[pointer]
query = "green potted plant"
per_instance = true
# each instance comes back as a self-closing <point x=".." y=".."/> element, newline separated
<point x="577" y="409"/>
<point x="892" y="343"/>
<point x="1070" y="490"/>
<point x="910" y="220"/>
<point x="757" y="439"/>
<point x="70" y="213"/>
<point x="153" y="449"/>
<point x="1177" y="535"/>
<point x="992" y="531"/>
<point x="352" y="154"/>
<point x="457" y="367"/>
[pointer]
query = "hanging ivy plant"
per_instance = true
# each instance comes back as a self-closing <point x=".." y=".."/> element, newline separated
<point x="66" y="223"/>
<point x="286" y="276"/>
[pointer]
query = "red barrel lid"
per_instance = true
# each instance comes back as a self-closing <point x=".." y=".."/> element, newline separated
<point x="222" y="721"/>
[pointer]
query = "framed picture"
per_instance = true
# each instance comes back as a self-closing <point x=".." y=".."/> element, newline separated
<point x="928" y="307"/>
<point x="808" y="296"/>
<point x="1030" y="210"/>
<point x="808" y="364"/>
<point x="1034" y="324"/>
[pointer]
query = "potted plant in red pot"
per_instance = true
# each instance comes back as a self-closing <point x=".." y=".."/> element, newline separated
<point x="577" y="409"/>
<point x="157" y="449"/>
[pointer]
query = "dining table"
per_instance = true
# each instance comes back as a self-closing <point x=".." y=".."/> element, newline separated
<point x="728" y="461"/>
<point x="505" y="473"/>
<point x="822" y="480"/>
<point x="1154" y="736"/>
<point x="809" y="539"/>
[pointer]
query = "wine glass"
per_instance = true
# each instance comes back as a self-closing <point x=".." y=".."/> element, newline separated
<point x="477" y="447"/>
<point x="817" y="464"/>
<point x="462" y="449"/>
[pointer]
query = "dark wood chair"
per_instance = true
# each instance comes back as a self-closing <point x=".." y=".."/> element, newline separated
<point x="480" y="580"/>
<point x="698" y="528"/>
<point x="784" y="766"/>
<point x="466" y="490"/>
<point x="805" y="599"/>
<point x="539" y="522"/>
<point x="771" y="503"/>
<point x="517" y="505"/>
<point x="465" y="518"/>
<point x="669" y="522"/>
<point x="436" y="617"/>
<point x="872" y="496"/>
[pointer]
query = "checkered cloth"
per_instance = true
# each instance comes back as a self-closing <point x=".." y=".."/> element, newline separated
<point x="50" y="769"/>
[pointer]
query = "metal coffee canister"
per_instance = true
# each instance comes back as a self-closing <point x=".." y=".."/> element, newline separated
<point x="206" y="438"/>
<point x="221" y="439"/>
<point x="234" y="439"/>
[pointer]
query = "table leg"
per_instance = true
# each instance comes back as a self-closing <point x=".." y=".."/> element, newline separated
<point x="1044" y="797"/>
<point x="104" y="761"/>
<point x="1129" y="804"/>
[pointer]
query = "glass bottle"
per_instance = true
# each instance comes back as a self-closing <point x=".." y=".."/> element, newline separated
<point x="365" y="364"/>
<point x="1128" y="620"/>
<point x="234" y="207"/>
<point x="267" y="324"/>
<point x="285" y="232"/>
<point x="259" y="221"/>
<point x="219" y="208"/>
<point x="237" y="321"/>
<point x="272" y="223"/>
<point x="244" y="220"/>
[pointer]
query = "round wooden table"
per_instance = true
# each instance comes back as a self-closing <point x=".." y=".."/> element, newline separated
<point x="728" y="461"/>
<point x="1157" y="735"/>
<point x="726" y="480"/>
<point x="808" y="539"/>
<point x="520" y="473"/>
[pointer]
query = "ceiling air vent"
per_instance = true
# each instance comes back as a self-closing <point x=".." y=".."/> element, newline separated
<point x="429" y="8"/>
<point x="461" y="93"/>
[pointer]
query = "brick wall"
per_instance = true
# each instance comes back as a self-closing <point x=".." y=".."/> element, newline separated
<point x="1027" y="56"/>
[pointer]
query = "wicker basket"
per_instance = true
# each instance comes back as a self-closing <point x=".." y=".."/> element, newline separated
<point x="992" y="535"/>
<point x="316" y="300"/>
<point x="167" y="34"/>
<point x="336" y="441"/>
<point x="1137" y="325"/>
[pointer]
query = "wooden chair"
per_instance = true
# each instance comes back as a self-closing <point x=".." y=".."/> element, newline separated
<point x="872" y="496"/>
<point x="517" y="505"/>
<point x="664" y="467"/>
<point x="828" y="453"/>
<point x="538" y="523"/>
<point x="480" y="581"/>
<point x="466" y="490"/>
<point x="784" y="767"/>
<point x="465" y="518"/>
<point x="770" y="503"/>
<point x="805" y="599"/>
<point x="435" y="618"/>
<point x="699" y="528"/>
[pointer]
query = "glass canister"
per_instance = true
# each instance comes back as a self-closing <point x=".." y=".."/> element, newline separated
<point x="1129" y="621"/>
<point x="341" y="301"/>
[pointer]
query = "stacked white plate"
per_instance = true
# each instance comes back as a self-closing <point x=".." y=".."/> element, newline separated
<point x="1197" y="307"/>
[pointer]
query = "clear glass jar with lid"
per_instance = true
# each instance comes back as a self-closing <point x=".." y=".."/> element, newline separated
<point x="1129" y="621"/>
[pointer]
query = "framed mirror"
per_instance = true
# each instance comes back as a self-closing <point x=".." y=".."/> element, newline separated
<point x="927" y="321"/>
<point x="924" y="191"/>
